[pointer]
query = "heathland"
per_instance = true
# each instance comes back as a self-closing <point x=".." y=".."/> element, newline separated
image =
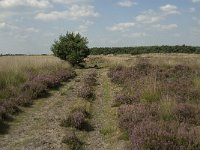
<point x="148" y="101"/>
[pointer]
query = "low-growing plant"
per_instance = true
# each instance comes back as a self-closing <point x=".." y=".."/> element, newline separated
<point x="107" y="131"/>
<point x="130" y="115"/>
<point x="123" y="98"/>
<point x="163" y="135"/>
<point x="166" y="109"/>
<point x="73" y="141"/>
<point x="150" y="96"/>
<point x="90" y="79"/>
<point x="35" y="89"/>
<point x="75" y="119"/>
<point x="187" y="113"/>
<point x="85" y="91"/>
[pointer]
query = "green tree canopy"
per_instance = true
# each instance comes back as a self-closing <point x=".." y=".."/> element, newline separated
<point x="71" y="47"/>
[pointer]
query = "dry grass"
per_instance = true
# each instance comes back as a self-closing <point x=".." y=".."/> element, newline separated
<point x="15" y="70"/>
<point x="19" y="63"/>
<point x="192" y="60"/>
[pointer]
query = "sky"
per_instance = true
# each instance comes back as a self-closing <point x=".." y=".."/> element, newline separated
<point x="31" y="26"/>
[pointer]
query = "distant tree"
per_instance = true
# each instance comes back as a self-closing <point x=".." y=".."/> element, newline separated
<point x="71" y="47"/>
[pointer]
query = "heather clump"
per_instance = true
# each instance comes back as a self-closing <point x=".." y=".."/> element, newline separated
<point x="163" y="135"/>
<point x="122" y="98"/>
<point x="64" y="75"/>
<point x="130" y="115"/>
<point x="35" y="88"/>
<point x="85" y="91"/>
<point x="187" y="113"/>
<point x="75" y="119"/>
<point x="90" y="79"/>
<point x="72" y="141"/>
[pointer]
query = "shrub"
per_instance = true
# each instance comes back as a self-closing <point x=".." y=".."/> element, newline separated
<point x="163" y="135"/>
<point x="72" y="141"/>
<point x="117" y="74"/>
<point x="71" y="47"/>
<point x="90" y="79"/>
<point x="187" y="113"/>
<point x="75" y="119"/>
<point x="85" y="91"/>
<point x="81" y="110"/>
<point x="50" y="81"/>
<point x="130" y="115"/>
<point x="65" y="75"/>
<point x="34" y="88"/>
<point x="120" y="99"/>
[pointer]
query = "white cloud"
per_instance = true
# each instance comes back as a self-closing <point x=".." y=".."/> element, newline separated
<point x="85" y="26"/>
<point x="136" y="35"/>
<point x="121" y="26"/>
<point x="30" y="3"/>
<point x="195" y="1"/>
<point x="68" y="1"/>
<point x="2" y="24"/>
<point x="192" y="10"/>
<point x="169" y="9"/>
<point x="126" y="3"/>
<point x="148" y="17"/>
<point x="73" y="13"/>
<point x="166" y="27"/>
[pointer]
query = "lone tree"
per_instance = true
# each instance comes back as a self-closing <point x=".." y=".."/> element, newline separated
<point x="71" y="47"/>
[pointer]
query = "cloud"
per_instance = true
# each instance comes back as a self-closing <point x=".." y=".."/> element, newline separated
<point x="30" y="3"/>
<point x="195" y="1"/>
<point x="196" y="19"/>
<point x="192" y="10"/>
<point x="69" y="1"/>
<point x="13" y="28"/>
<point x="73" y="13"/>
<point x="169" y="9"/>
<point x="121" y="26"/>
<point x="2" y="24"/>
<point x="148" y="17"/>
<point x="136" y="35"/>
<point x="151" y="16"/>
<point x="166" y="27"/>
<point x="84" y="26"/>
<point x="126" y="3"/>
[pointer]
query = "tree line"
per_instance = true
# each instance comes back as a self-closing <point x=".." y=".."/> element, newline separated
<point x="144" y="50"/>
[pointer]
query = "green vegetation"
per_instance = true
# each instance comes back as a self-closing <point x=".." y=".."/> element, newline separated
<point x="71" y="47"/>
<point x="144" y="50"/>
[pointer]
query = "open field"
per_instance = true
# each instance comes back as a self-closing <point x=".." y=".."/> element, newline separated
<point x="148" y="101"/>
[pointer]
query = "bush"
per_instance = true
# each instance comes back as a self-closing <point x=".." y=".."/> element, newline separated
<point x="65" y="75"/>
<point x="75" y="119"/>
<point x="120" y="99"/>
<point x="130" y="115"/>
<point x="187" y="113"/>
<point x="85" y="91"/>
<point x="35" y="88"/>
<point x="90" y="79"/>
<point x="163" y="135"/>
<point x="72" y="141"/>
<point x="71" y="47"/>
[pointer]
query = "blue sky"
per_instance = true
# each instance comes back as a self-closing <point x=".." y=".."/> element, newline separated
<point x="31" y="26"/>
